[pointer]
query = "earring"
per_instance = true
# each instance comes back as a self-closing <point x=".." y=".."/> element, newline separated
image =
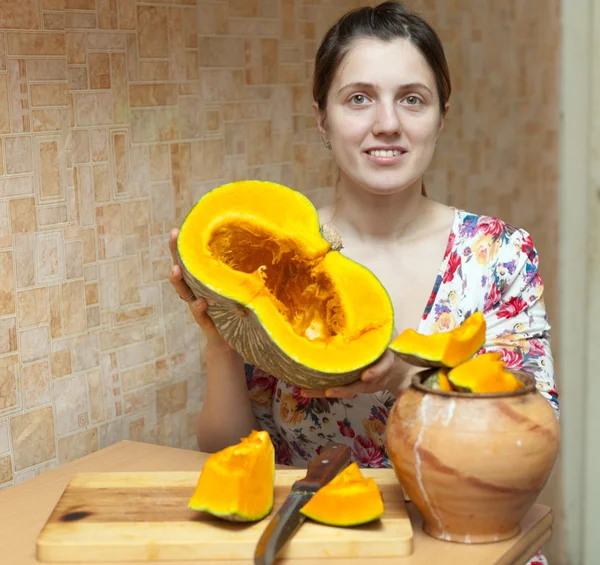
<point x="328" y="145"/>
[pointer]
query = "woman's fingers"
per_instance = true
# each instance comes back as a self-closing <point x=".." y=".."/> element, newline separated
<point x="173" y="244"/>
<point x="379" y="368"/>
<point x="180" y="286"/>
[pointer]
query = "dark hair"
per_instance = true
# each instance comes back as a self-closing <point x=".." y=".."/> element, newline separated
<point x="386" y="21"/>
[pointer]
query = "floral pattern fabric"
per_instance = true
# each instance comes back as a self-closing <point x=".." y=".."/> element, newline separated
<point x="488" y="266"/>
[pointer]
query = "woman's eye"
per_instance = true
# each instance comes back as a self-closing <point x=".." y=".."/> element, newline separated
<point x="412" y="100"/>
<point x="359" y="99"/>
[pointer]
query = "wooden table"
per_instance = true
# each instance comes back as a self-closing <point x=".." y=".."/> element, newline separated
<point x="24" y="508"/>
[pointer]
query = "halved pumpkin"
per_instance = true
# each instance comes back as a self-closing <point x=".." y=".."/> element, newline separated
<point x="279" y="290"/>
<point x="444" y="349"/>
<point x="349" y="499"/>
<point x="484" y="374"/>
<point x="237" y="483"/>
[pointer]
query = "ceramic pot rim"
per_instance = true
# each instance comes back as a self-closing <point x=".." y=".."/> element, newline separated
<point x="526" y="378"/>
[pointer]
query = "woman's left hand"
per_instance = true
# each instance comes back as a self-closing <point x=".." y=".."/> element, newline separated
<point x="389" y="373"/>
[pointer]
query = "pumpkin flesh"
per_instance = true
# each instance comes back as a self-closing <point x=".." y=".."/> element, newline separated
<point x="444" y="349"/>
<point x="237" y="482"/>
<point x="259" y="246"/>
<point x="349" y="499"/>
<point x="484" y="374"/>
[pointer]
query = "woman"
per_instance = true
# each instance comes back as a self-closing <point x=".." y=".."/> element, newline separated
<point x="381" y="90"/>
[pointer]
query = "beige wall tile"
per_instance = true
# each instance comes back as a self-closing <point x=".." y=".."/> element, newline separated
<point x="53" y="21"/>
<point x="32" y="44"/>
<point x="154" y="70"/>
<point x="6" y="474"/>
<point x="80" y="20"/>
<point x="171" y="398"/>
<point x="32" y="307"/>
<point x="46" y="120"/>
<point x="94" y="109"/>
<point x="160" y="162"/>
<point x="75" y="47"/>
<point x="101" y="184"/>
<point x="7" y="284"/>
<point x="71" y="448"/>
<point x="126" y="10"/>
<point x="4" y="443"/>
<point x="16" y="186"/>
<point x="34" y="344"/>
<point x="5" y="235"/>
<point x="153" y="34"/>
<point x="70" y="404"/>
<point x="19" y="156"/>
<point x="32" y="435"/>
<point x="110" y="433"/>
<point x="74" y="259"/>
<point x="99" y="144"/>
<point x="107" y="14"/>
<point x="24" y="259"/>
<point x="153" y="95"/>
<point x="99" y="68"/>
<point x="77" y="78"/>
<point x="106" y="41"/>
<point x="119" y="84"/>
<point x="19" y="98"/>
<point x="190" y="117"/>
<point x="26" y="17"/>
<point x="54" y="298"/>
<point x="47" y="69"/>
<point x="207" y="159"/>
<point x="48" y="156"/>
<point x="110" y="231"/>
<point x="22" y="215"/>
<point x="73" y="307"/>
<point x="4" y="111"/>
<point x="50" y="256"/>
<point x="36" y="385"/>
<point x="48" y="94"/>
<point x="129" y="280"/>
<point x="9" y="380"/>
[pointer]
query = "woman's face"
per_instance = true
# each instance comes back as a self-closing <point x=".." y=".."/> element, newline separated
<point x="383" y="115"/>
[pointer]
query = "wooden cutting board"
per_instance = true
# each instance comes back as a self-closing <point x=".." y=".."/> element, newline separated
<point x="144" y="517"/>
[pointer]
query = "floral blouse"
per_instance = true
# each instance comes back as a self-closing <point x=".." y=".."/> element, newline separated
<point x="488" y="266"/>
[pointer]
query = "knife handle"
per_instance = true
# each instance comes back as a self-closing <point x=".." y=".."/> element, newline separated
<point x="324" y="467"/>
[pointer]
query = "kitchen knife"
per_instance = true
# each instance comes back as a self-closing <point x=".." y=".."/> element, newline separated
<point x="333" y="458"/>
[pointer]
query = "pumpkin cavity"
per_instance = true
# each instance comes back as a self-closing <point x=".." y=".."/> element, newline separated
<point x="305" y="295"/>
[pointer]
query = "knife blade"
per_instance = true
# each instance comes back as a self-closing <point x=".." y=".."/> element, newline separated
<point x="284" y="524"/>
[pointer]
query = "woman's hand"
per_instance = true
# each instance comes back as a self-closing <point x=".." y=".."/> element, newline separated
<point x="197" y="305"/>
<point x="389" y="373"/>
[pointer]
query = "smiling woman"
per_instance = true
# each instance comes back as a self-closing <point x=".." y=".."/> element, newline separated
<point x="381" y="94"/>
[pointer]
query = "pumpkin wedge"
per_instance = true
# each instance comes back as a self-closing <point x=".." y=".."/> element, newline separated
<point x="444" y="349"/>
<point x="349" y="499"/>
<point x="237" y="483"/>
<point x="438" y="380"/>
<point x="278" y="288"/>
<point x="484" y="374"/>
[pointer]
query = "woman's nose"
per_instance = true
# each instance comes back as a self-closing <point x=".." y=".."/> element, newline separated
<point x="387" y="120"/>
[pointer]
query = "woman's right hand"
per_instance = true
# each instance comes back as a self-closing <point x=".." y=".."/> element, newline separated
<point x="197" y="305"/>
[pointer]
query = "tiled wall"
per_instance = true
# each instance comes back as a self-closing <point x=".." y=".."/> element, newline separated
<point x="116" y="115"/>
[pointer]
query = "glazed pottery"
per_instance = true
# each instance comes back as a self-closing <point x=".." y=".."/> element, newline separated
<point x="473" y="464"/>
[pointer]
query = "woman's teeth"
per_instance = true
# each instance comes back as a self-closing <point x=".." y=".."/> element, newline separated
<point x="384" y="153"/>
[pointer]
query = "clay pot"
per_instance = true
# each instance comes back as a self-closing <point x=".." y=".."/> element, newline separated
<point x="472" y="464"/>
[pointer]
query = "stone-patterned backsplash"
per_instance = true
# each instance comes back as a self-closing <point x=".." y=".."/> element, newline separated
<point x="116" y="116"/>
